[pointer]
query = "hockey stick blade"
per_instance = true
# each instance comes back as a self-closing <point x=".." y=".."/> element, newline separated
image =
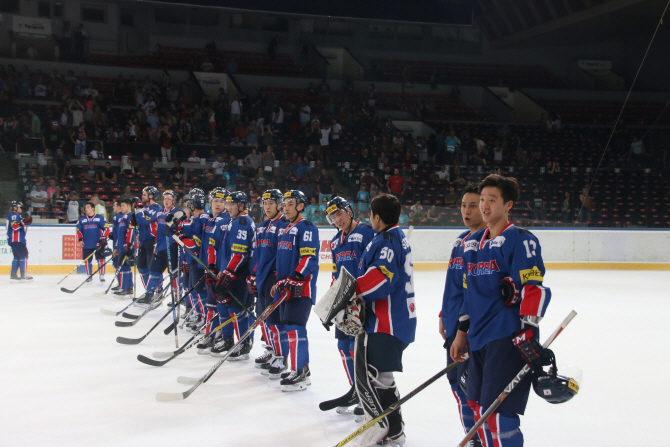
<point x="169" y="329"/>
<point x="130" y="316"/>
<point x="163" y="355"/>
<point x="153" y="362"/>
<point x="125" y="323"/>
<point x="111" y="313"/>
<point x="130" y="341"/>
<point x="63" y="289"/>
<point x="349" y="399"/>
<point x="168" y="397"/>
<point x="187" y="380"/>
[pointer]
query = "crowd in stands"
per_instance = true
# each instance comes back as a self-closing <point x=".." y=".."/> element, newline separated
<point x="109" y="137"/>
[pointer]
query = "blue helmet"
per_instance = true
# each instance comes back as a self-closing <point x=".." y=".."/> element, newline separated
<point x="16" y="203"/>
<point x="298" y="196"/>
<point x="238" y="197"/>
<point x="273" y="194"/>
<point x="334" y="205"/>
<point x="195" y="191"/>
<point x="197" y="202"/>
<point x="151" y="191"/>
<point x="169" y="192"/>
<point x="218" y="193"/>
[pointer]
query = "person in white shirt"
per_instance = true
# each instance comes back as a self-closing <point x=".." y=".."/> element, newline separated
<point x="31" y="52"/>
<point x="443" y="174"/>
<point x="335" y="132"/>
<point x="38" y="197"/>
<point x="218" y="165"/>
<point x="235" y="109"/>
<point x="194" y="157"/>
<point x="73" y="211"/>
<point x="305" y="114"/>
<point x="278" y="117"/>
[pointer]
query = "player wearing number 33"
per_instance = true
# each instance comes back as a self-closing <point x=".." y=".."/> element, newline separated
<point x="505" y="300"/>
<point x="385" y="283"/>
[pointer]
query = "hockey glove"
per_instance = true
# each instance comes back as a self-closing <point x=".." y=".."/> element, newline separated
<point x="111" y="236"/>
<point x="128" y="249"/>
<point x="138" y="203"/>
<point x="251" y="285"/>
<point x="351" y="319"/>
<point x="531" y="350"/>
<point x="211" y="281"/>
<point x="292" y="287"/>
<point x="225" y="279"/>
<point x="102" y="242"/>
<point x="27" y="220"/>
<point x="133" y="220"/>
<point x="185" y="268"/>
<point x="509" y="294"/>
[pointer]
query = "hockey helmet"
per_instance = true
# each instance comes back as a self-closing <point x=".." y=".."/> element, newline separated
<point x="219" y="193"/>
<point x="16" y="203"/>
<point x="555" y="388"/>
<point x="195" y="191"/>
<point x="298" y="196"/>
<point x="197" y="202"/>
<point x="237" y="197"/>
<point x="169" y="192"/>
<point x="151" y="191"/>
<point x="336" y="204"/>
<point x="273" y="194"/>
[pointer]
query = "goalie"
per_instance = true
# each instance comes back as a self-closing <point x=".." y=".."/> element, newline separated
<point x="381" y="313"/>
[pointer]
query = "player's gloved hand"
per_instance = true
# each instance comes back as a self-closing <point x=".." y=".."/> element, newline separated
<point x="531" y="350"/>
<point x="133" y="220"/>
<point x="251" y="285"/>
<point x="111" y="236"/>
<point x="225" y="278"/>
<point x="102" y="242"/>
<point x="292" y="287"/>
<point x="138" y="203"/>
<point x="28" y="220"/>
<point x="211" y="280"/>
<point x="185" y="268"/>
<point x="221" y="298"/>
<point x="509" y="293"/>
<point x="128" y="249"/>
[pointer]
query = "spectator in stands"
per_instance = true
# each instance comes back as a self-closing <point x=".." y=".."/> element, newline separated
<point x="79" y="140"/>
<point x="498" y="153"/>
<point x="324" y="88"/>
<point x="235" y="142"/>
<point x="536" y="206"/>
<point x="38" y="197"/>
<point x="267" y="135"/>
<point x="218" y="165"/>
<point x="79" y="37"/>
<point x="551" y="178"/>
<point x="416" y="212"/>
<point x="252" y="134"/>
<point x="404" y="216"/>
<point x="66" y="174"/>
<point x="278" y="117"/>
<point x="235" y="108"/>
<point x="318" y="218"/>
<point x="172" y="94"/>
<point x="177" y="174"/>
<point x="260" y="180"/>
<point x="398" y="141"/>
<point x="253" y="161"/>
<point x="91" y="172"/>
<point x="451" y="198"/>
<point x="58" y="198"/>
<point x="127" y="164"/>
<point x="131" y="131"/>
<point x="325" y="186"/>
<point x="146" y="165"/>
<point x="77" y="112"/>
<point x="396" y="183"/>
<point x="452" y="144"/>
<point x="307" y="186"/>
<point x="305" y="114"/>
<point x="194" y="157"/>
<point x="165" y="138"/>
<point x="363" y="197"/>
<point x="433" y="216"/>
<point x="50" y="170"/>
<point x="97" y="151"/>
<point x="35" y="122"/>
<point x="51" y="189"/>
<point x="127" y="193"/>
<point x="108" y="174"/>
<point x="444" y="174"/>
<point x="587" y="204"/>
<point x="637" y="151"/>
<point x="52" y="137"/>
<point x="566" y="209"/>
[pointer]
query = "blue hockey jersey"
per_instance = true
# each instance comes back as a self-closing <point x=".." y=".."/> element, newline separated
<point x="146" y="221"/>
<point x="125" y="234"/>
<point x="193" y="230"/>
<point x="161" y="243"/>
<point x="115" y="227"/>
<point x="213" y="232"/>
<point x="386" y="283"/>
<point x="238" y="244"/>
<point x="91" y="229"/>
<point x="298" y="251"/>
<point x="515" y="253"/>
<point x="347" y="249"/>
<point x="265" y="248"/>
<point x="16" y="229"/>
<point x="452" y="300"/>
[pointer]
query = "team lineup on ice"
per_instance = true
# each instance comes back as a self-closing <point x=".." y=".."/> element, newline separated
<point x="231" y="280"/>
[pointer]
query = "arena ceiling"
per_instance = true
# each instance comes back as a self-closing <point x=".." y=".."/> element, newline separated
<point x="529" y="23"/>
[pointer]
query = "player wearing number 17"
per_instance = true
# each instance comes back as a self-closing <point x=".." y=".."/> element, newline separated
<point x="386" y="284"/>
<point x="297" y="269"/>
<point x="505" y="300"/>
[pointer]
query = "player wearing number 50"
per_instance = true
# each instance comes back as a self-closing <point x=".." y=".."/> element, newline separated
<point x="297" y="270"/>
<point x="385" y="282"/>
<point x="505" y="300"/>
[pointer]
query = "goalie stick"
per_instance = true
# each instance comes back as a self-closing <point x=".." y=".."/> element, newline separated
<point x="515" y="381"/>
<point x="180" y="396"/>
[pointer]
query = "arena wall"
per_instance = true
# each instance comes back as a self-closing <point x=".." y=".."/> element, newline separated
<point x="52" y="248"/>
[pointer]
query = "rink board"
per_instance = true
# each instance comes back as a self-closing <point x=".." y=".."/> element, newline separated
<point x="53" y="248"/>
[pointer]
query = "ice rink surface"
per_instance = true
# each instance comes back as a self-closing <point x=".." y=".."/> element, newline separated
<point x="67" y="382"/>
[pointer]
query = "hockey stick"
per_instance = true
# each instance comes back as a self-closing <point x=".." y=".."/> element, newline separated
<point x="210" y="273"/>
<point x="393" y="407"/>
<point x="135" y="341"/>
<point x="63" y="289"/>
<point x="409" y="231"/>
<point x="76" y="267"/>
<point x="168" y="329"/>
<point x="174" y="310"/>
<point x="188" y="345"/>
<point x="163" y="397"/>
<point x="136" y="318"/>
<point x="515" y="381"/>
<point x="116" y="274"/>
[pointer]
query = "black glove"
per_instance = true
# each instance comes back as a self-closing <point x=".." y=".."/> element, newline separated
<point x="102" y="242"/>
<point x="224" y="281"/>
<point x="133" y="220"/>
<point x="292" y="287"/>
<point x="211" y="280"/>
<point x="251" y="285"/>
<point x="111" y="236"/>
<point x="509" y="293"/>
<point x="28" y="220"/>
<point x="532" y="351"/>
<point x="128" y="249"/>
<point x="185" y="268"/>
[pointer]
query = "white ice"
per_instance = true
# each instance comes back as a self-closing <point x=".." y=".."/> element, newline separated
<point x="67" y="382"/>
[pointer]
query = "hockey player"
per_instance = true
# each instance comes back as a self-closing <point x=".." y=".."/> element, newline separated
<point x="192" y="231"/>
<point x="347" y="248"/>
<point x="233" y="264"/>
<point x="113" y="234"/>
<point x="212" y="237"/>
<point x="297" y="270"/>
<point x="503" y="303"/>
<point x="159" y="261"/>
<point x="263" y="279"/>
<point x="16" y="238"/>
<point x="123" y="247"/>
<point x="92" y="232"/>
<point x="386" y="285"/>
<point x="452" y="301"/>
<point x="144" y="220"/>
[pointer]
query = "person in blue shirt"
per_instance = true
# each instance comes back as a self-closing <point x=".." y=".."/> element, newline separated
<point x="504" y="301"/>
<point x="92" y="232"/>
<point x="144" y="219"/>
<point x="385" y="283"/>
<point x="263" y="279"/>
<point x="311" y="208"/>
<point x="347" y="248"/>
<point x="297" y="271"/>
<point x="452" y="302"/>
<point x="16" y="238"/>
<point x="318" y="218"/>
<point x="233" y="264"/>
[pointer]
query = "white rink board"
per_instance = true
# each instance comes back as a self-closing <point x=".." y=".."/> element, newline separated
<point x="45" y="244"/>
